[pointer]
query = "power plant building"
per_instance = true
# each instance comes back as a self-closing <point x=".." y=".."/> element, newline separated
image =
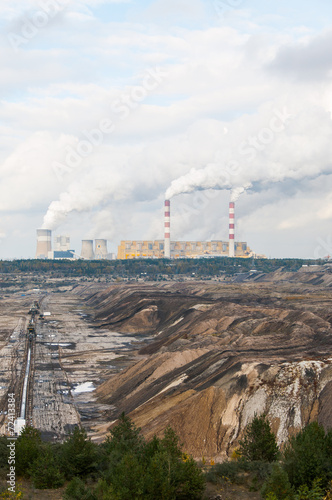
<point x="62" y="254"/>
<point x="44" y="244"/>
<point x="180" y="249"/>
<point x="101" y="249"/>
<point x="62" y="243"/>
<point x="157" y="249"/>
<point x="137" y="249"/>
<point x="62" y="248"/>
<point x="87" y="250"/>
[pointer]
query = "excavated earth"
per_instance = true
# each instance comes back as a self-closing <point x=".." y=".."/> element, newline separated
<point x="202" y="356"/>
<point x="219" y="353"/>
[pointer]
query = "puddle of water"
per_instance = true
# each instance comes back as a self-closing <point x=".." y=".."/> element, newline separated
<point x="58" y="344"/>
<point x="85" y="387"/>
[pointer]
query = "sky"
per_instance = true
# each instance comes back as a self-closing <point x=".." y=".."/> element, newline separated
<point x="107" y="106"/>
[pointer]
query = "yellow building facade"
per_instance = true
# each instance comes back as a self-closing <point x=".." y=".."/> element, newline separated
<point x="179" y="249"/>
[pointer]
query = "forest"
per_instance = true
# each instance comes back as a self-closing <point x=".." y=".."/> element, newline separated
<point x="127" y="467"/>
<point x="153" y="269"/>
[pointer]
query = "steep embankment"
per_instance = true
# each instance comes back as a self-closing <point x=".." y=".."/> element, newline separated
<point x="219" y="353"/>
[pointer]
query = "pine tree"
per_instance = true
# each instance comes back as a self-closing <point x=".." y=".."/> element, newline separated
<point x="259" y="442"/>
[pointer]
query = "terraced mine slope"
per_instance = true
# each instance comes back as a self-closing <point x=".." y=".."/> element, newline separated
<point x="201" y="356"/>
<point x="218" y="353"/>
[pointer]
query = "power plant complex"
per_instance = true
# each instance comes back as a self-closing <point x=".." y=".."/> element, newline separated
<point x="133" y="249"/>
<point x="63" y="251"/>
<point x="184" y="249"/>
<point x="180" y="249"/>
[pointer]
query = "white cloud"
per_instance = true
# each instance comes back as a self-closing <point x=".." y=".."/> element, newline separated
<point x="310" y="59"/>
<point x="66" y="80"/>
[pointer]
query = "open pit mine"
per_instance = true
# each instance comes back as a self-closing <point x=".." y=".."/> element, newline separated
<point x="201" y="356"/>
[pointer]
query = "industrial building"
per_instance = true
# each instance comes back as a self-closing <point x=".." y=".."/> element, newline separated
<point x="101" y="249"/>
<point x="44" y="243"/>
<point x="62" y="243"/>
<point x="185" y="249"/>
<point x="87" y="250"/>
<point x="180" y="249"/>
<point x="157" y="249"/>
<point x="44" y="246"/>
<point x="62" y="247"/>
<point x="136" y="249"/>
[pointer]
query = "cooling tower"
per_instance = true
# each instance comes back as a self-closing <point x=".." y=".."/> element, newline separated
<point x="87" y="250"/>
<point x="167" y="243"/>
<point x="101" y="249"/>
<point x="231" y="249"/>
<point x="44" y="243"/>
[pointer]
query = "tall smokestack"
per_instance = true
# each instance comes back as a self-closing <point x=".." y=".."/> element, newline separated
<point x="167" y="244"/>
<point x="87" y="249"/>
<point x="101" y="249"/>
<point x="44" y="243"/>
<point x="231" y="249"/>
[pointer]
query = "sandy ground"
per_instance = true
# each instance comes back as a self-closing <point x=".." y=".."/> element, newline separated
<point x="72" y="357"/>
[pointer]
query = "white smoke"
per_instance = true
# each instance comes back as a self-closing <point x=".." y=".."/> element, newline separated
<point x="266" y="156"/>
<point x="236" y="192"/>
<point x="211" y="177"/>
<point x="84" y="196"/>
<point x="299" y="149"/>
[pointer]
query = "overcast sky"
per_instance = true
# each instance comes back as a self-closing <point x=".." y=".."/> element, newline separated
<point x="106" y="105"/>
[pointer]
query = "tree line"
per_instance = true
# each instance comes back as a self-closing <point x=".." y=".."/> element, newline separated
<point x="124" y="467"/>
<point x="128" y="467"/>
<point x="302" y="470"/>
<point x="153" y="269"/>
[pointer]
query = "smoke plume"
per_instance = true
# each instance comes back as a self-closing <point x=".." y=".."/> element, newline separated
<point x="236" y="192"/>
<point x="267" y="158"/>
<point x="83" y="196"/>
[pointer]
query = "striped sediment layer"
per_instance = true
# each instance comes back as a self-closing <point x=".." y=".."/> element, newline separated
<point x="217" y="355"/>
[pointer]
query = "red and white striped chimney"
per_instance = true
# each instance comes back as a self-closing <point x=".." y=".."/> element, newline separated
<point x="167" y="244"/>
<point x="231" y="249"/>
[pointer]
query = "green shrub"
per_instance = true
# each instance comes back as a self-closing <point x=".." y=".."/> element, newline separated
<point x="240" y="472"/>
<point x="3" y="452"/>
<point x="306" y="493"/>
<point x="224" y="472"/>
<point x="154" y="470"/>
<point x="259" y="442"/>
<point x="277" y="485"/>
<point x="124" y="437"/>
<point x="45" y="470"/>
<point x="308" y="456"/>
<point x="260" y="469"/>
<point x="76" y="490"/>
<point x="78" y="455"/>
<point x="28" y="448"/>
<point x="127" y="477"/>
<point x="188" y="481"/>
<point x="271" y="496"/>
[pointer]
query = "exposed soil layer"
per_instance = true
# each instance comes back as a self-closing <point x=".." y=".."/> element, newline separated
<point x="203" y="357"/>
<point x="219" y="353"/>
